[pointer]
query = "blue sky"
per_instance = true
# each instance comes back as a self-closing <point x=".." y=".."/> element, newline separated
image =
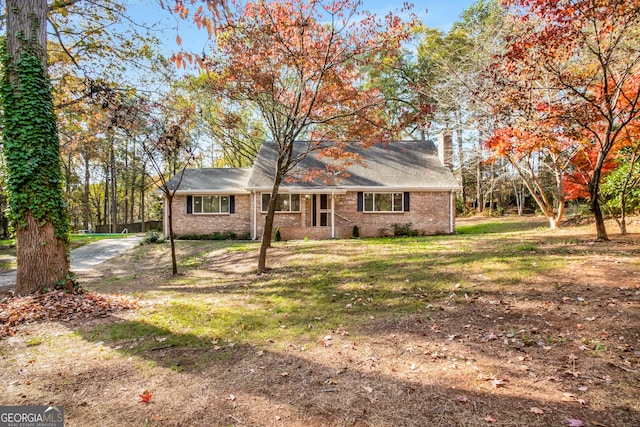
<point x="433" y="13"/>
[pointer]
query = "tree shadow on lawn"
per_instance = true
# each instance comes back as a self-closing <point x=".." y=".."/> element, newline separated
<point x="511" y="311"/>
<point x="530" y="334"/>
<point x="347" y="383"/>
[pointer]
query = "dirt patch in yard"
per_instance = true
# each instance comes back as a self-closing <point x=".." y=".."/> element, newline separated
<point x="522" y="328"/>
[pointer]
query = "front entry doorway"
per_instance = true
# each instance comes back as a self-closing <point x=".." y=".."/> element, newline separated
<point x="320" y="210"/>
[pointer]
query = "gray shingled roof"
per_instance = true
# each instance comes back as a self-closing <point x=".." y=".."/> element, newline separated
<point x="406" y="165"/>
<point x="409" y="165"/>
<point x="203" y="180"/>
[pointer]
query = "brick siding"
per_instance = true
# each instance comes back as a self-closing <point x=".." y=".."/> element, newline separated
<point x="428" y="214"/>
<point x="238" y="222"/>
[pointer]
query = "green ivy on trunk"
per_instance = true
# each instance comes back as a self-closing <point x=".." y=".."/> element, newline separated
<point x="31" y="144"/>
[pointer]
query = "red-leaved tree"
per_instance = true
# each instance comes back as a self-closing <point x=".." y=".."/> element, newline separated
<point x="586" y="54"/>
<point x="535" y="158"/>
<point x="300" y="64"/>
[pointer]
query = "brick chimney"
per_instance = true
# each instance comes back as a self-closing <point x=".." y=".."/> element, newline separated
<point x="445" y="148"/>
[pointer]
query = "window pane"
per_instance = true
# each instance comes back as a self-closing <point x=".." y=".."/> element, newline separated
<point x="197" y="204"/>
<point x="215" y="204"/>
<point x="207" y="204"/>
<point x="368" y="202"/>
<point x="383" y="202"/>
<point x="282" y="202"/>
<point x="397" y="202"/>
<point x="224" y="204"/>
<point x="295" y="203"/>
<point x="265" y="201"/>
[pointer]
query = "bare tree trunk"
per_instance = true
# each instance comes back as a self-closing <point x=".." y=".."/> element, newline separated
<point x="106" y="193"/>
<point x="268" y="222"/>
<point x="114" y="201"/>
<point x="85" y="199"/>
<point x="39" y="265"/>
<point x="134" y="179"/>
<point x="491" y="180"/>
<point x="479" y="198"/>
<point x="67" y="175"/>
<point x="126" y="184"/>
<point x="174" y="261"/>
<point x="594" y="204"/>
<point x="461" y="170"/>
<point x="623" y="215"/>
<point x="142" y="195"/>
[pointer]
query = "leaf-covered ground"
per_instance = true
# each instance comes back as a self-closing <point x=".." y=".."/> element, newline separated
<point x="505" y="324"/>
<point x="57" y="305"/>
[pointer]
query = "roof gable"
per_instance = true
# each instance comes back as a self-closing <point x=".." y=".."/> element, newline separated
<point x="403" y="164"/>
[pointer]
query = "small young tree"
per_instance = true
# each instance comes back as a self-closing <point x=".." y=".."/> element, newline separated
<point x="535" y="159"/>
<point x="169" y="153"/>
<point x="621" y="187"/>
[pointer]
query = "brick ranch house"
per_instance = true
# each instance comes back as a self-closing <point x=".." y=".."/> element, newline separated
<point x="407" y="182"/>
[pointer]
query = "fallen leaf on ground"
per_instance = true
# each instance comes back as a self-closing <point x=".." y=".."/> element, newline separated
<point x="462" y="398"/>
<point x="570" y="397"/>
<point x="145" y="397"/>
<point x="490" y="419"/>
<point x="497" y="382"/>
<point x="536" y="410"/>
<point x="574" y="423"/>
<point x="58" y="305"/>
<point x="490" y="336"/>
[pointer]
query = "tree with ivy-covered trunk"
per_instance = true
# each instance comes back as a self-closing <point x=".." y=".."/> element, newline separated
<point x="32" y="151"/>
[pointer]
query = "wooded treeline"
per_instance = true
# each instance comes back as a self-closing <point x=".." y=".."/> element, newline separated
<point x="527" y="137"/>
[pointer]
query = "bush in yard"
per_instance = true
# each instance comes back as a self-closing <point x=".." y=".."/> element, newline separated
<point x="153" y="237"/>
<point x="216" y="235"/>
<point x="404" y="230"/>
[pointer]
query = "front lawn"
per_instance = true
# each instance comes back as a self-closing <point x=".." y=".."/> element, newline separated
<point x="508" y="324"/>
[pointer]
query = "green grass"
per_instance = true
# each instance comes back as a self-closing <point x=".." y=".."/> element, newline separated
<point x="493" y="227"/>
<point x="5" y="243"/>
<point x="326" y="286"/>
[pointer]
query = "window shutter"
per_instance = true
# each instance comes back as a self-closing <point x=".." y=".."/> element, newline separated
<point x="360" y="201"/>
<point x="232" y="204"/>
<point x="189" y="204"/>
<point x="406" y="201"/>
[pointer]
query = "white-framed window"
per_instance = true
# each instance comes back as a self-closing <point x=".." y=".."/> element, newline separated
<point x="383" y="202"/>
<point x="210" y="204"/>
<point x="284" y="202"/>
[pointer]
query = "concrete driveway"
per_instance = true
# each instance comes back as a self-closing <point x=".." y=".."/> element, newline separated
<point x="85" y="257"/>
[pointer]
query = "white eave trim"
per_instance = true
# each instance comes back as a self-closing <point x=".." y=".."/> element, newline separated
<point x="383" y="189"/>
<point x="300" y="190"/>
<point x="222" y="192"/>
